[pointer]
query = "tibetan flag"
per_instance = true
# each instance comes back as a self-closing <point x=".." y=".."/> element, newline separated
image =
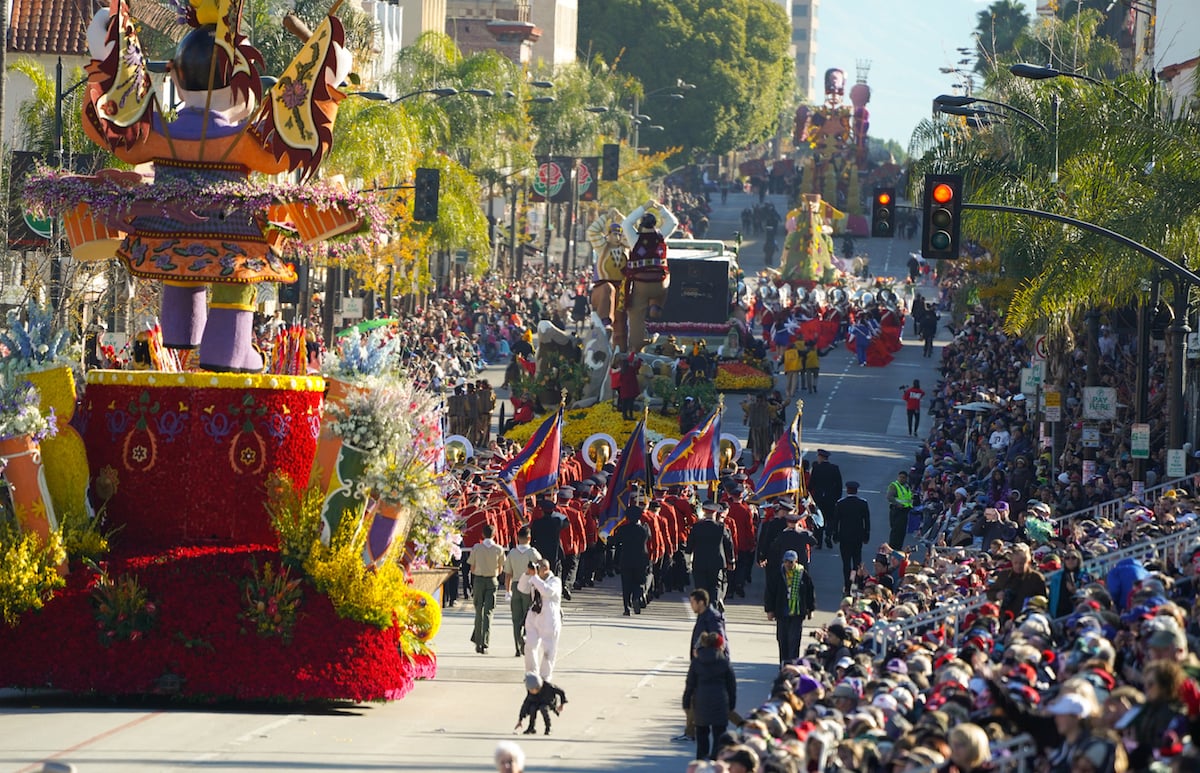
<point x="697" y="458"/>
<point x="535" y="468"/>
<point x="781" y="471"/>
<point x="631" y="469"/>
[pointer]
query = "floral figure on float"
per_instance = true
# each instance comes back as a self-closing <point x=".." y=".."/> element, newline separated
<point x="207" y="519"/>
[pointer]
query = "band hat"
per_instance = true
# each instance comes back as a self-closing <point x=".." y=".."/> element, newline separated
<point x="852" y="485"/>
<point x="784" y="504"/>
<point x="710" y="507"/>
<point x="822" y="452"/>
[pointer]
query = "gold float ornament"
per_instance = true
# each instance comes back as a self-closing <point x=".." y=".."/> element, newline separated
<point x="603" y="453"/>
<point x="731" y="449"/>
<point x="661" y="450"/>
<point x="458" y="450"/>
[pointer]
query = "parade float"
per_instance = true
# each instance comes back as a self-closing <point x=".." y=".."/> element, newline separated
<point x="197" y="527"/>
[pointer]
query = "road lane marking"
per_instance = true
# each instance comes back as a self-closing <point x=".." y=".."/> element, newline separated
<point x="83" y="744"/>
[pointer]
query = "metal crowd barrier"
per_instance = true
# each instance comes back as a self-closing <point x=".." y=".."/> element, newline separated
<point x="1173" y="545"/>
<point x="915" y="625"/>
<point x="1113" y="507"/>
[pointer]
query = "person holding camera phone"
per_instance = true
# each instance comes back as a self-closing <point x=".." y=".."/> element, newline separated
<point x="543" y="623"/>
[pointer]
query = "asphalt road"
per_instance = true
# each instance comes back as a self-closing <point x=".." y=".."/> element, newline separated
<point x="623" y="676"/>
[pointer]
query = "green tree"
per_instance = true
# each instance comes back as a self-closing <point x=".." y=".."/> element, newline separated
<point x="997" y="29"/>
<point x="734" y="51"/>
<point x="35" y="116"/>
<point x="262" y="24"/>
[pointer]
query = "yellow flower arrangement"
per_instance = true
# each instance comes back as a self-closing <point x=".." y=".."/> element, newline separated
<point x="208" y="380"/>
<point x="580" y="424"/>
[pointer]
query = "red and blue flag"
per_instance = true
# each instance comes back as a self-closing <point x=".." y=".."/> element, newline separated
<point x="697" y="458"/>
<point x="781" y="473"/>
<point x="631" y="470"/>
<point x="535" y="468"/>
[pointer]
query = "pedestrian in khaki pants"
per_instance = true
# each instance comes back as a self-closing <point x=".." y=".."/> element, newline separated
<point x="520" y="595"/>
<point x="487" y="559"/>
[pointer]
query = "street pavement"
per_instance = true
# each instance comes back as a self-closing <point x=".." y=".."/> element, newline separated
<point x="623" y="676"/>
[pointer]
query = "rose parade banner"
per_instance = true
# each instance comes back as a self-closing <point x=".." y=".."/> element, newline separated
<point x="551" y="181"/>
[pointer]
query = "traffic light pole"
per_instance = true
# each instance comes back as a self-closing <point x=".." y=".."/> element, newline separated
<point x="1179" y="271"/>
<point x="1179" y="329"/>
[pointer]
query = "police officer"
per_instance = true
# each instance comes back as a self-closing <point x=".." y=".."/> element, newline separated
<point x="632" y="541"/>
<point x="825" y="487"/>
<point x="711" y="549"/>
<point x="854" y="519"/>
<point x="900" y="502"/>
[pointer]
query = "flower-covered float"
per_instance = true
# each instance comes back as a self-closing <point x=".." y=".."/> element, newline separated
<point x="225" y="533"/>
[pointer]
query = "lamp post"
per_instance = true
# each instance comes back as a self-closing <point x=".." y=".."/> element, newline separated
<point x="1178" y="330"/>
<point x="1035" y="73"/>
<point x="56" y="259"/>
<point x="950" y="103"/>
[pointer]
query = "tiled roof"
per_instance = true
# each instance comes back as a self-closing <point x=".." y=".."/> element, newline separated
<point x="49" y="26"/>
<point x="60" y="26"/>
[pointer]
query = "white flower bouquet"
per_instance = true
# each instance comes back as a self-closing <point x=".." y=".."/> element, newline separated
<point x="20" y="415"/>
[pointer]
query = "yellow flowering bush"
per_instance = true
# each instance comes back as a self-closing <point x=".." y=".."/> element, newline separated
<point x="295" y="517"/>
<point x="28" y="570"/>
<point x="371" y="597"/>
<point x="579" y="425"/>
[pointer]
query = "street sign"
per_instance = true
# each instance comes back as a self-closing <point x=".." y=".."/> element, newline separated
<point x="1091" y="436"/>
<point x="1139" y="441"/>
<point x="1053" y="400"/>
<point x="1176" y="463"/>
<point x="352" y="308"/>
<point x="1099" y="403"/>
<point x="1039" y="349"/>
<point x="1032" y="377"/>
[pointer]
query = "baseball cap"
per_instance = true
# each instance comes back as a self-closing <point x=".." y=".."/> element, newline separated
<point x="844" y="662"/>
<point x="790" y="555"/>
<point x="1166" y="638"/>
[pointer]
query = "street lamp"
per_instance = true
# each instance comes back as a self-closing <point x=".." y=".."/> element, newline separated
<point x="943" y="101"/>
<point x="1035" y="73"/>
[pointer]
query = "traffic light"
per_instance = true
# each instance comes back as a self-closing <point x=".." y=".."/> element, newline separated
<point x="942" y="213"/>
<point x="883" y="213"/>
<point x="610" y="161"/>
<point x="425" y="198"/>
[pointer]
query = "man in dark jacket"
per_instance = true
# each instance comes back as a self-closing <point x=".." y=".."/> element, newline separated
<point x="772" y="528"/>
<point x="825" y="487"/>
<point x="633" y="558"/>
<point x="711" y="548"/>
<point x="789" y="602"/>
<point x="854" y="531"/>
<point x="795" y="538"/>
<point x="544" y="533"/>
<point x="708" y="620"/>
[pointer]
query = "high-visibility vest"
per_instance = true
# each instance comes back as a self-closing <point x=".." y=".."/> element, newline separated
<point x="904" y="495"/>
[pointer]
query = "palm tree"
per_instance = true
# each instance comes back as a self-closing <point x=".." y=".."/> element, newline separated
<point x="997" y="29"/>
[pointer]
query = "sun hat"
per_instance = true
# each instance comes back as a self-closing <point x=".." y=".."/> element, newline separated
<point x="1072" y="705"/>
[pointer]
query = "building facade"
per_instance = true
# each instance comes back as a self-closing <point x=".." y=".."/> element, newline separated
<point x="804" y="42"/>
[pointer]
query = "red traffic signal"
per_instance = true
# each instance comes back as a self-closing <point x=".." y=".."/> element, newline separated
<point x="883" y="213"/>
<point x="941" y="217"/>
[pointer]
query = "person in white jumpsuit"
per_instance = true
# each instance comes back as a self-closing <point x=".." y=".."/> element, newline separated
<point x="543" y="627"/>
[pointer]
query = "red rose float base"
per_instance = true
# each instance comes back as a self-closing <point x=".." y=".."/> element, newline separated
<point x="185" y="456"/>
<point x="195" y="637"/>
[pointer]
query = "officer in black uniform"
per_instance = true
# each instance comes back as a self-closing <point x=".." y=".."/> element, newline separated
<point x="825" y="487"/>
<point x="854" y="519"/>
<point x="711" y="549"/>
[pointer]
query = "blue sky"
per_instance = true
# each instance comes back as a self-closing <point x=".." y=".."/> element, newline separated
<point x="906" y="41"/>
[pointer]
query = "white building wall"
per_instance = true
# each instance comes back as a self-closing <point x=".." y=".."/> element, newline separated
<point x="421" y="16"/>
<point x="559" y="20"/>
<point x="389" y="16"/>
<point x="1177" y="42"/>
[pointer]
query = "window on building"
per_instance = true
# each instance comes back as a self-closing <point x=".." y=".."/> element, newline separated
<point x="800" y="9"/>
<point x="799" y="35"/>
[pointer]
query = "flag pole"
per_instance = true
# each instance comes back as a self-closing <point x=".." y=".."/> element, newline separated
<point x="801" y="488"/>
